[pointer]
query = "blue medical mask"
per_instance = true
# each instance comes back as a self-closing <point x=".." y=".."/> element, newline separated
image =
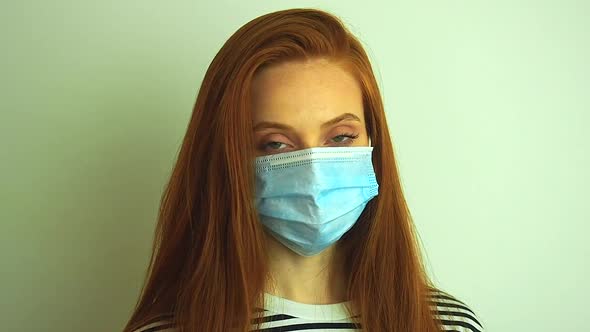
<point x="307" y="199"/>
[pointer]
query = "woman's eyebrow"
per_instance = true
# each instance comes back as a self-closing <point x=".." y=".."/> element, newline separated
<point x="276" y="125"/>
<point x="340" y="118"/>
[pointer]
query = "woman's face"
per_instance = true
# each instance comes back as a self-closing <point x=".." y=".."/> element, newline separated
<point x="300" y="105"/>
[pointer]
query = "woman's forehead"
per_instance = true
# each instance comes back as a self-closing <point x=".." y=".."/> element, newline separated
<point x="316" y="90"/>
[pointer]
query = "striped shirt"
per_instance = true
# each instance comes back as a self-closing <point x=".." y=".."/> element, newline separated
<point x="281" y="314"/>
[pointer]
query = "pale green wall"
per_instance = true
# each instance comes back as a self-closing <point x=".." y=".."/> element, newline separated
<point x="488" y="104"/>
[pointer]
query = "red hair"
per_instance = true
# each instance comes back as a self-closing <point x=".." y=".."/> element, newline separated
<point x="209" y="265"/>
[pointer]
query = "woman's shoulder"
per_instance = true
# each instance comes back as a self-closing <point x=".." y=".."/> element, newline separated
<point x="162" y="323"/>
<point x="453" y="313"/>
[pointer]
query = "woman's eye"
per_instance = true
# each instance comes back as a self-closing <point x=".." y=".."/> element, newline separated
<point x="339" y="138"/>
<point x="344" y="138"/>
<point x="275" y="145"/>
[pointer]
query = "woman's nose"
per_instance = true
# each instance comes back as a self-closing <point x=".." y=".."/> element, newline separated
<point x="310" y="141"/>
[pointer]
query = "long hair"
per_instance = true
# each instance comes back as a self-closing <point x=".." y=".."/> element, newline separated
<point x="209" y="265"/>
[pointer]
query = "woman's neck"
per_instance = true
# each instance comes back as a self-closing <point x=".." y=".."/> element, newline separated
<point x="318" y="279"/>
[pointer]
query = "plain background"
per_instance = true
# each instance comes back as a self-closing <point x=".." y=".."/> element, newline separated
<point x="488" y="103"/>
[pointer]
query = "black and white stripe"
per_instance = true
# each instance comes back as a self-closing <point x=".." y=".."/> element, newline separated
<point x="162" y="323"/>
<point x="453" y="314"/>
<point x="272" y="322"/>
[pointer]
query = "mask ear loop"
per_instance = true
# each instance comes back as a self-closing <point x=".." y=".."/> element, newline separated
<point x="370" y="141"/>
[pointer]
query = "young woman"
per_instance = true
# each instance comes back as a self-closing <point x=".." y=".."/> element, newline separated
<point x="284" y="211"/>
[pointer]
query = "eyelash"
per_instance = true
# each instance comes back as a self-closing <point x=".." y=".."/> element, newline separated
<point x="351" y="139"/>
